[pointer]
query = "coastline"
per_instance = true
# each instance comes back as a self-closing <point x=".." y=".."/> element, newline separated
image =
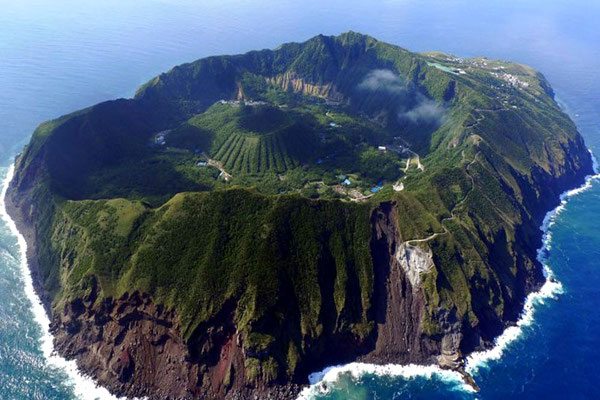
<point x="84" y="387"/>
<point x="549" y="289"/>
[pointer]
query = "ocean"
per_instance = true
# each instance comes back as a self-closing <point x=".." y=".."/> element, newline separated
<point x="62" y="55"/>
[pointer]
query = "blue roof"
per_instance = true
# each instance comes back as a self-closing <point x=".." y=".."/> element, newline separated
<point x="346" y="182"/>
<point x="376" y="189"/>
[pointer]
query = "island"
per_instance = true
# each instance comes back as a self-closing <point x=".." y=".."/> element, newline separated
<point x="246" y="220"/>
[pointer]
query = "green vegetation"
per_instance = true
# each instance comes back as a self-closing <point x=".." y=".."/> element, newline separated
<point x="251" y="180"/>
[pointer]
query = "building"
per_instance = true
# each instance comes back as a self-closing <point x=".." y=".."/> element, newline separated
<point x="161" y="137"/>
<point x="346" y="182"/>
<point x="382" y="148"/>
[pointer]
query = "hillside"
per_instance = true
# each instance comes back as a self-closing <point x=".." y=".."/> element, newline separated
<point x="246" y="220"/>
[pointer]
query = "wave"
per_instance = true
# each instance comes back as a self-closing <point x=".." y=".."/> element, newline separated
<point x="320" y="382"/>
<point x="84" y="387"/>
<point x="549" y="290"/>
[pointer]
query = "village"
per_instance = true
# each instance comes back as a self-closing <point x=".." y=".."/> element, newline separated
<point x="321" y="177"/>
<point x="346" y="185"/>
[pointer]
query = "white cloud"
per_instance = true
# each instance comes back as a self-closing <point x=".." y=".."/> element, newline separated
<point x="383" y="79"/>
<point x="423" y="110"/>
<point x="426" y="111"/>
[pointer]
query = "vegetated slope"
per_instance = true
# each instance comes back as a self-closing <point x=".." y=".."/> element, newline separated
<point x="261" y="139"/>
<point x="251" y="139"/>
<point x="148" y="255"/>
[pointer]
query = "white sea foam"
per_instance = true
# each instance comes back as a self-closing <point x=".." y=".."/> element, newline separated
<point x="84" y="387"/>
<point x="549" y="290"/>
<point x="320" y="382"/>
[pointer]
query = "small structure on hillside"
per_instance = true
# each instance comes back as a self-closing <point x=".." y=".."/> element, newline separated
<point x="160" y="139"/>
<point x="331" y="102"/>
<point x="377" y="188"/>
<point x="382" y="148"/>
<point x="346" y="182"/>
<point x="202" y="163"/>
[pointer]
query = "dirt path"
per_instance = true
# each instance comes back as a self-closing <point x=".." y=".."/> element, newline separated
<point x="452" y="214"/>
<point x="214" y="163"/>
<point x="461" y="202"/>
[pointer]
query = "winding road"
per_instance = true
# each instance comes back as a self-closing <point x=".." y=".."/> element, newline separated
<point x="452" y="215"/>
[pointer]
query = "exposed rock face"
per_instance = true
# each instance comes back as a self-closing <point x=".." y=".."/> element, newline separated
<point x="135" y="348"/>
<point x="414" y="261"/>
<point x="291" y="81"/>
<point x="129" y="345"/>
<point x="399" y="302"/>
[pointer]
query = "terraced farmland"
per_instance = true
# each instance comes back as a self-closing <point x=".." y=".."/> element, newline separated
<point x="278" y="151"/>
<point x="230" y="135"/>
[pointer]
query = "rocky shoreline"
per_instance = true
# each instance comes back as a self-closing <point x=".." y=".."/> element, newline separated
<point x="107" y="341"/>
<point x="134" y="326"/>
<point x="27" y="230"/>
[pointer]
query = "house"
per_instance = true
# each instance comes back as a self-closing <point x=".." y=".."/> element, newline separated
<point x="377" y="188"/>
<point x="201" y="163"/>
<point x="346" y="182"/>
<point x="382" y="148"/>
<point x="330" y="102"/>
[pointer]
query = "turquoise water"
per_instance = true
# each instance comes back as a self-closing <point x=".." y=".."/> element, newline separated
<point x="57" y="56"/>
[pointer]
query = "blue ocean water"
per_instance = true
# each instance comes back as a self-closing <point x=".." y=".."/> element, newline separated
<point x="58" y="56"/>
